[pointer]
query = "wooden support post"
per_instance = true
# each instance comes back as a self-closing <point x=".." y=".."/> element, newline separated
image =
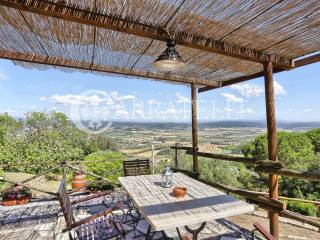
<point x="176" y="164"/>
<point x="194" y="127"/>
<point x="272" y="143"/>
<point x="64" y="170"/>
<point x="152" y="152"/>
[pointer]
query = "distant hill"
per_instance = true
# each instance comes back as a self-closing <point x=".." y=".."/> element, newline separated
<point x="217" y="124"/>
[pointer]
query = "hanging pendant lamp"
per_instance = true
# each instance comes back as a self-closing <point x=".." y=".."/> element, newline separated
<point x="170" y="60"/>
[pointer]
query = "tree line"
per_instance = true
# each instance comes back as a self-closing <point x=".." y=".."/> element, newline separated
<point x="42" y="140"/>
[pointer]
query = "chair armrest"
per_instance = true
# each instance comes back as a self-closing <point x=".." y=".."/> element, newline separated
<point x="263" y="231"/>
<point x="90" y="218"/>
<point x="93" y="196"/>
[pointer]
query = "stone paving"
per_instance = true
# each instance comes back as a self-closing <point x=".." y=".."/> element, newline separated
<point x="44" y="220"/>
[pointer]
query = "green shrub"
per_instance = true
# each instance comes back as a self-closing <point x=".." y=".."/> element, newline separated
<point x="111" y="168"/>
<point x="52" y="177"/>
<point x="314" y="136"/>
<point x="3" y="184"/>
<point x="165" y="152"/>
<point x="307" y="209"/>
<point x="99" y="185"/>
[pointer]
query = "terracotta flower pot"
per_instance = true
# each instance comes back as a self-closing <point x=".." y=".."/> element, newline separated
<point x="79" y="181"/>
<point x="9" y="202"/>
<point x="179" y="192"/>
<point x="23" y="201"/>
<point x="13" y="202"/>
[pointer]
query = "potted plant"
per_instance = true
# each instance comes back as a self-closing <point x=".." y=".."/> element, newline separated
<point x="79" y="181"/>
<point x="99" y="186"/>
<point x="16" y="196"/>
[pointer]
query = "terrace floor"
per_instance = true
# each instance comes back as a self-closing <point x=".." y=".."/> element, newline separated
<point x="44" y="220"/>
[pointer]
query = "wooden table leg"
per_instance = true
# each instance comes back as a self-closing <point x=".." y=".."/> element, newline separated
<point x="195" y="232"/>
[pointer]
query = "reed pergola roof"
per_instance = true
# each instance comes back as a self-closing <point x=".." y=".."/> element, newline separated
<point x="219" y="40"/>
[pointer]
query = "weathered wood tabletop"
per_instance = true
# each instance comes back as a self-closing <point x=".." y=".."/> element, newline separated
<point x="163" y="211"/>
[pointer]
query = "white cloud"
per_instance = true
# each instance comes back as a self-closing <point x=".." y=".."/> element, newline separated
<point x="3" y="76"/>
<point x="247" y="111"/>
<point x="228" y="109"/>
<point x="231" y="97"/>
<point x="248" y="90"/>
<point x="121" y="112"/>
<point x="70" y="99"/>
<point x="139" y="112"/>
<point x="171" y="111"/>
<point x="278" y="89"/>
<point x="251" y="90"/>
<point x="307" y="110"/>
<point x="126" y="97"/>
<point x="95" y="98"/>
<point x="115" y="96"/>
<point x="153" y="102"/>
<point x="181" y="99"/>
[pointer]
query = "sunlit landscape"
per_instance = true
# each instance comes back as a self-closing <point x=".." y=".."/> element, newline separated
<point x="159" y="120"/>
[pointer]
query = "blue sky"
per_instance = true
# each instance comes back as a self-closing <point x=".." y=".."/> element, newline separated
<point x="87" y="95"/>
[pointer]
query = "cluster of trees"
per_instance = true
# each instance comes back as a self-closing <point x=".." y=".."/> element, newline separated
<point x="42" y="140"/>
<point x="296" y="150"/>
<point x="299" y="151"/>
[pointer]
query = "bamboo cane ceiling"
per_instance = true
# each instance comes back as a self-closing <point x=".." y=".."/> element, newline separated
<point x="285" y="30"/>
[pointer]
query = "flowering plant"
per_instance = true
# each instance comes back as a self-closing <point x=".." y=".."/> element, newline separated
<point x="16" y="193"/>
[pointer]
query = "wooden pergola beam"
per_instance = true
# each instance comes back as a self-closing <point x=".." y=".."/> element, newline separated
<point x="232" y="81"/>
<point x="307" y="60"/>
<point x="88" y="66"/>
<point x="84" y="16"/>
<point x="297" y="63"/>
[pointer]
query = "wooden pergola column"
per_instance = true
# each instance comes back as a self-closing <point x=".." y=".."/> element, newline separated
<point x="194" y="127"/>
<point x="272" y="143"/>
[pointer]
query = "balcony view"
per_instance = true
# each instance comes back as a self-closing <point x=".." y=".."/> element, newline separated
<point x="159" y="120"/>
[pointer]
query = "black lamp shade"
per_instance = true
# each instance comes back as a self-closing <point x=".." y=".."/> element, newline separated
<point x="169" y="60"/>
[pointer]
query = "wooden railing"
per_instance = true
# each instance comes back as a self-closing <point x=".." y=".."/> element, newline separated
<point x="64" y="166"/>
<point x="265" y="166"/>
<point x="262" y="199"/>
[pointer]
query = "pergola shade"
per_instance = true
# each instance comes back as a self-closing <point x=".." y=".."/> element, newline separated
<point x="219" y="40"/>
<point x="223" y="42"/>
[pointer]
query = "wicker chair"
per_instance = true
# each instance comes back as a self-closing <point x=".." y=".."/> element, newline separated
<point x="98" y="226"/>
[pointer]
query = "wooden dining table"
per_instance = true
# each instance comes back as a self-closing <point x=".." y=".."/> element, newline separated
<point x="163" y="211"/>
